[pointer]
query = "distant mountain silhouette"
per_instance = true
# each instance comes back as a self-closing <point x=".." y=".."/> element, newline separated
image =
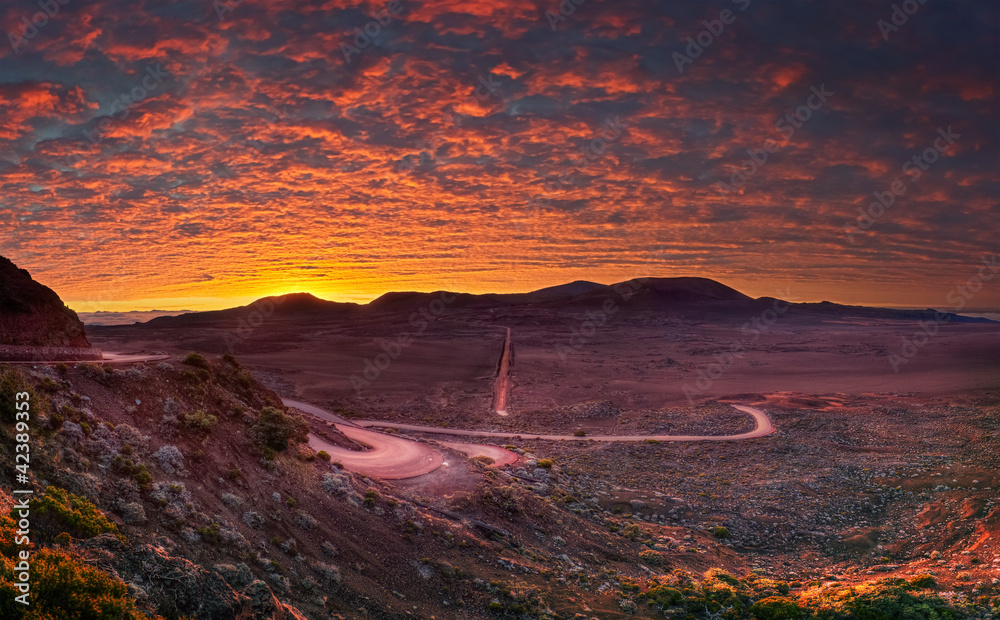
<point x="276" y="306"/>
<point x="691" y="297"/>
<point x="564" y="291"/>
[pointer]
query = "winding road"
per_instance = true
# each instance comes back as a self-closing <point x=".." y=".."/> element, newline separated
<point x="763" y="427"/>
<point x="390" y="457"/>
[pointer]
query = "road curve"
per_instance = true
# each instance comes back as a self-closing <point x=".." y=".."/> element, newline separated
<point x="388" y="457"/>
<point x="392" y="458"/>
<point x="763" y="427"/>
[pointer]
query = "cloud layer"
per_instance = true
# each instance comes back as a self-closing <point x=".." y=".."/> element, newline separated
<point x="154" y="153"/>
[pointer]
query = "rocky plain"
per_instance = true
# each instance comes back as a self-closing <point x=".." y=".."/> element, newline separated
<point x="188" y="487"/>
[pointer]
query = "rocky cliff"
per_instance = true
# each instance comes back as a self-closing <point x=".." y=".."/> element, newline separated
<point x="33" y="315"/>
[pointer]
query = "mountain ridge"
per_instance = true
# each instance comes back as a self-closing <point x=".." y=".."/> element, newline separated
<point x="646" y="293"/>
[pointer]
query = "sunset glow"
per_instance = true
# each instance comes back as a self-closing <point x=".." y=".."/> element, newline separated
<point x="187" y="155"/>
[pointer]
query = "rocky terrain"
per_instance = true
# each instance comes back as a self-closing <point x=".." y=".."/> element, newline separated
<point x="34" y="323"/>
<point x="185" y="488"/>
<point x="214" y="506"/>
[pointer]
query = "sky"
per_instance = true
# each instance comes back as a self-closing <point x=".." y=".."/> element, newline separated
<point x="198" y="155"/>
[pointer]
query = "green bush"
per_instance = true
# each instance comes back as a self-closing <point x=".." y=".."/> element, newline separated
<point x="197" y="360"/>
<point x="277" y="430"/>
<point x="210" y="533"/>
<point x="923" y="581"/>
<point x="63" y="586"/>
<point x="579" y="433"/>
<point x="60" y="511"/>
<point x="776" y="608"/>
<point x="138" y="472"/>
<point x="650" y="557"/>
<point x="199" y="422"/>
<point x="664" y="596"/>
<point x="720" y="532"/>
<point x="323" y="455"/>
<point x="546" y="463"/>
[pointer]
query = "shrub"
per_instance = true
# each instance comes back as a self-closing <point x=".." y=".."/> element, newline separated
<point x="131" y="436"/>
<point x="195" y="378"/>
<point x="199" y="422"/>
<point x="335" y="483"/>
<point x="142" y="475"/>
<point x="371" y="496"/>
<point x="210" y="533"/>
<point x="231" y="500"/>
<point x="231" y="360"/>
<point x="776" y="608"/>
<point x="234" y="473"/>
<point x="305" y="520"/>
<point x="923" y="581"/>
<point x="133" y="513"/>
<point x="93" y="371"/>
<point x="664" y="596"/>
<point x="632" y="531"/>
<point x="323" y="455"/>
<point x="49" y="385"/>
<point x="197" y="360"/>
<point x="546" y="463"/>
<point x="579" y="433"/>
<point x="329" y="572"/>
<point x="63" y="586"/>
<point x="651" y="557"/>
<point x="136" y="471"/>
<point x="170" y="459"/>
<point x="253" y="519"/>
<point x="136" y="373"/>
<point x="276" y="430"/>
<point x="720" y="532"/>
<point x="60" y="511"/>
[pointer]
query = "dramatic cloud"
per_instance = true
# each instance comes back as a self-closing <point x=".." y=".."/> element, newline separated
<point x="189" y="154"/>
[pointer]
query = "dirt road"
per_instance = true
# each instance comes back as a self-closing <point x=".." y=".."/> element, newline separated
<point x="502" y="385"/>
<point x="390" y="458"/>
<point x="763" y="427"/>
